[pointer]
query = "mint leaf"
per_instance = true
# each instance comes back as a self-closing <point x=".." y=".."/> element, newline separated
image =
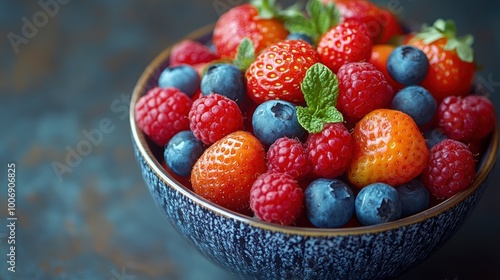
<point x="318" y="19"/>
<point x="323" y="15"/>
<point x="245" y="55"/>
<point x="320" y="89"/>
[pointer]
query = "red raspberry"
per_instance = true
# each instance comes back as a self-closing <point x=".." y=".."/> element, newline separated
<point x="485" y="112"/>
<point x="162" y="113"/>
<point x="213" y="117"/>
<point x="451" y="169"/>
<point x="191" y="52"/>
<point x="362" y="89"/>
<point x="330" y="151"/>
<point x="276" y="198"/>
<point x="457" y="119"/>
<point x="288" y="156"/>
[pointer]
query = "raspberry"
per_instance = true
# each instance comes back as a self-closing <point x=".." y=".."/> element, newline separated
<point x="289" y="156"/>
<point x="191" y="52"/>
<point x="485" y="112"/>
<point x="457" y="119"/>
<point x="276" y="198"/>
<point x="213" y="117"/>
<point x="362" y="89"/>
<point x="330" y="151"/>
<point x="162" y="113"/>
<point x="451" y="169"/>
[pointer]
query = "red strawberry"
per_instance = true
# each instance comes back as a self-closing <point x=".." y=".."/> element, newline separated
<point x="276" y="198"/>
<point x="192" y="53"/>
<point x="390" y="27"/>
<point x="378" y="58"/>
<point x="244" y="21"/>
<point x="388" y="148"/>
<point x="346" y="42"/>
<point x="451" y="169"/>
<point x="362" y="89"/>
<point x="162" y="113"/>
<point x="452" y="69"/>
<point x="278" y="71"/>
<point x="330" y="151"/>
<point x="225" y="172"/>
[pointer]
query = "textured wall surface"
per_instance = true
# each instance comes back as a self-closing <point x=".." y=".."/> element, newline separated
<point x="65" y="80"/>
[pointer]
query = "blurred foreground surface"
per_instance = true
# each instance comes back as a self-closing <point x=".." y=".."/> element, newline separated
<point x="68" y="80"/>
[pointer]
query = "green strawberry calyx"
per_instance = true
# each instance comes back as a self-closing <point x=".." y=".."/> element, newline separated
<point x="321" y="89"/>
<point x="245" y="55"/>
<point x="447" y="29"/>
<point x="318" y="18"/>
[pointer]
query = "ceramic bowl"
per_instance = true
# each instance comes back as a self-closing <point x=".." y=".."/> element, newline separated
<point x="252" y="249"/>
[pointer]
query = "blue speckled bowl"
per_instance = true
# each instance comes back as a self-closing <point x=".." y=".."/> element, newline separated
<point x="253" y="249"/>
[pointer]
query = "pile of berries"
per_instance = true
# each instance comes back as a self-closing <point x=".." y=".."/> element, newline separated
<point x="330" y="116"/>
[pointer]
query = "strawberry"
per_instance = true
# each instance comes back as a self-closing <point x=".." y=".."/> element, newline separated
<point x="363" y="11"/>
<point x="391" y="28"/>
<point x="278" y="71"/>
<point x="256" y="22"/>
<point x="225" y="172"/>
<point x="378" y="58"/>
<point x="451" y="59"/>
<point x="388" y="148"/>
<point x="346" y="42"/>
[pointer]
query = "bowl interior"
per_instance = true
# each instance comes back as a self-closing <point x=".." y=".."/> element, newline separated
<point x="152" y="154"/>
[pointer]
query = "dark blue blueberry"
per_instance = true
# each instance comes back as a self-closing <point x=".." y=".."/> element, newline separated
<point x="433" y="137"/>
<point x="182" y="151"/>
<point x="300" y="36"/>
<point x="417" y="102"/>
<point x="329" y="203"/>
<point x="224" y="79"/>
<point x="274" y="119"/>
<point x="183" y="77"/>
<point x="408" y="65"/>
<point x="414" y="197"/>
<point x="378" y="203"/>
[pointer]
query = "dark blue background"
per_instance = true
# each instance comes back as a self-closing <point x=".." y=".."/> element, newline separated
<point x="98" y="221"/>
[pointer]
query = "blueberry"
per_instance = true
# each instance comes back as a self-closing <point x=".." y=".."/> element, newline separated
<point x="274" y="119"/>
<point x="407" y="65"/>
<point x="433" y="137"/>
<point x="182" y="151"/>
<point x="417" y="102"/>
<point x="329" y="203"/>
<point x="377" y="203"/>
<point x="224" y="79"/>
<point x="414" y="197"/>
<point x="183" y="77"/>
<point x="300" y="36"/>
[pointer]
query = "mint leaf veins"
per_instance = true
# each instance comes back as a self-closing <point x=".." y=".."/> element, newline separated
<point x="321" y="89"/>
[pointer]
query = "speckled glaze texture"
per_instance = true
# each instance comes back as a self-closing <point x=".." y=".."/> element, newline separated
<point x="253" y="252"/>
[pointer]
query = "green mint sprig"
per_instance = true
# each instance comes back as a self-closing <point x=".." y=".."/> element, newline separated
<point x="321" y="89"/>
<point x="317" y="20"/>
